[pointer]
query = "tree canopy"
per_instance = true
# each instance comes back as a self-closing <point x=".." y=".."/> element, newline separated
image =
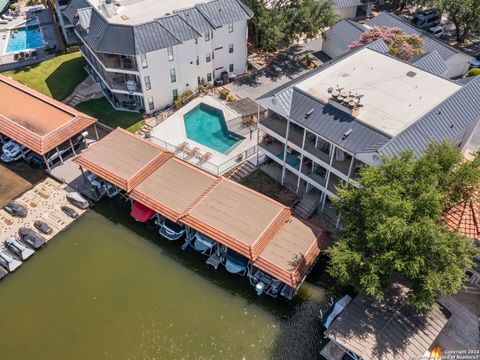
<point x="464" y="14"/>
<point x="283" y="21"/>
<point x="400" y="44"/>
<point x="392" y="225"/>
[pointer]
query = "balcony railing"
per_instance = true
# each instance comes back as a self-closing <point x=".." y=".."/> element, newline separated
<point x="275" y="123"/>
<point x="318" y="153"/>
<point x="120" y="62"/>
<point x="295" y="135"/>
<point x="276" y="148"/>
<point x="314" y="172"/>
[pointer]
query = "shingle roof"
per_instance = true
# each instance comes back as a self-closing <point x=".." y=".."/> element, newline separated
<point x="431" y="62"/>
<point x="449" y="120"/>
<point x="390" y="330"/>
<point x="158" y="34"/>
<point x="332" y="123"/>
<point x="341" y="4"/>
<point x="464" y="218"/>
<point x="344" y="33"/>
<point x="430" y="43"/>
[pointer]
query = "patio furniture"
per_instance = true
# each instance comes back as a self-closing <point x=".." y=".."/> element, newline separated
<point x="184" y="147"/>
<point x="207" y="156"/>
<point x="194" y="151"/>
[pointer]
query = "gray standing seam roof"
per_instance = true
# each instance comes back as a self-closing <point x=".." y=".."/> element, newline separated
<point x="166" y="31"/>
<point x="344" y="33"/>
<point x="430" y="43"/>
<point x="341" y="4"/>
<point x="449" y="120"/>
<point x="332" y="124"/>
<point x="379" y="46"/>
<point x="432" y="62"/>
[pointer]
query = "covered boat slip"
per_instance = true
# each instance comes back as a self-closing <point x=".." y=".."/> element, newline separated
<point x="123" y="159"/>
<point x="245" y="221"/>
<point x="35" y="120"/>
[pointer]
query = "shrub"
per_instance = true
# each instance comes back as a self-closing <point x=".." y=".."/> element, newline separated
<point x="400" y="44"/>
<point x="473" y="72"/>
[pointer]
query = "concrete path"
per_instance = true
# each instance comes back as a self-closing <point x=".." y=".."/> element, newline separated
<point x="86" y="90"/>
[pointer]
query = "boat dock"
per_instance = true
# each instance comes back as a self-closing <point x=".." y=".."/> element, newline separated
<point x="248" y="232"/>
<point x="43" y="202"/>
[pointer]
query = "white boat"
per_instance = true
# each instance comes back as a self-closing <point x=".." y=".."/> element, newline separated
<point x="335" y="310"/>
<point x="171" y="230"/>
<point x="77" y="200"/>
<point x="204" y="244"/>
<point x="8" y="261"/>
<point x="12" y="151"/>
<point x="22" y="251"/>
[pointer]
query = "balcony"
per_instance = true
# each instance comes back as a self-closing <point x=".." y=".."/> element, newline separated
<point x="342" y="161"/>
<point x="357" y="165"/>
<point x="120" y="62"/>
<point x="295" y="134"/>
<point x="314" y="171"/>
<point x="273" y="146"/>
<point x="125" y="82"/>
<point x="333" y="182"/>
<point x="275" y="123"/>
<point x="321" y="151"/>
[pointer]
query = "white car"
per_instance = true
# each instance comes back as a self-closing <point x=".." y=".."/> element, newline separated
<point x="12" y="151"/>
<point x="437" y="31"/>
<point x="475" y="62"/>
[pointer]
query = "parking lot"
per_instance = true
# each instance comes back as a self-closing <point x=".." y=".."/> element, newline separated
<point x="16" y="178"/>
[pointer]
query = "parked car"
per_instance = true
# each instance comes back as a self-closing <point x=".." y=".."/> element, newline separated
<point x="16" y="209"/>
<point x="43" y="227"/>
<point x="78" y="200"/>
<point x="69" y="211"/>
<point x="31" y="238"/>
<point x="475" y="62"/>
<point x="438" y="31"/>
<point x="427" y="19"/>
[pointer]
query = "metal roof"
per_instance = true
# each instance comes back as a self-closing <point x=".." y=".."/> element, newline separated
<point x="166" y="31"/>
<point x="332" y="123"/>
<point x="379" y="46"/>
<point x="341" y="4"/>
<point x="390" y="330"/>
<point x="344" y="33"/>
<point x="430" y="43"/>
<point x="449" y="120"/>
<point x="431" y="62"/>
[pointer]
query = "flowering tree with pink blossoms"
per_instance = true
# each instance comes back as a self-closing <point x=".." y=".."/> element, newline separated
<point x="400" y="44"/>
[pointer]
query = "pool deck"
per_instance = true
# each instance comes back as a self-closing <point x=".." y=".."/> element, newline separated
<point x="171" y="133"/>
<point x="43" y="202"/>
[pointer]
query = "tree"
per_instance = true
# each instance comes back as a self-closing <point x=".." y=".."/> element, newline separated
<point x="393" y="226"/>
<point x="400" y="44"/>
<point x="464" y="14"/>
<point x="282" y="21"/>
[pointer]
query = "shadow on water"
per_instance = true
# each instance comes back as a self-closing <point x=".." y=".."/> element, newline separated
<point x="300" y="334"/>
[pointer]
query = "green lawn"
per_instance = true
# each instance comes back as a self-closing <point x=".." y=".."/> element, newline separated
<point x="105" y="113"/>
<point x="56" y="77"/>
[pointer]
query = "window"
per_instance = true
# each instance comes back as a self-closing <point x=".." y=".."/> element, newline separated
<point x="199" y="81"/>
<point x="207" y="36"/>
<point x="230" y="68"/>
<point x="151" y="106"/>
<point x="196" y="40"/>
<point x="230" y="28"/>
<point x="173" y="76"/>
<point x="143" y="60"/>
<point x="198" y="60"/>
<point x="208" y="57"/>
<point x="209" y="77"/>
<point x="230" y="48"/>
<point x="175" y="94"/>
<point x="170" y="53"/>
<point x="148" y="86"/>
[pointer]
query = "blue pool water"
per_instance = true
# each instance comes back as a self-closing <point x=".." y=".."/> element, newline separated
<point x="25" y="38"/>
<point x="206" y="125"/>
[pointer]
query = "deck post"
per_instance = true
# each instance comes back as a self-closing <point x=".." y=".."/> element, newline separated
<point x="83" y="173"/>
<point x="59" y="155"/>
<point x="46" y="162"/>
<point x="96" y="131"/>
<point x="73" y="148"/>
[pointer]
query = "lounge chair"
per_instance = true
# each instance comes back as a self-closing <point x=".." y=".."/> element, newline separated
<point x="183" y="147"/>
<point x="207" y="156"/>
<point x="194" y="152"/>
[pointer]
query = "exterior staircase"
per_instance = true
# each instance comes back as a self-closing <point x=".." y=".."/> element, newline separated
<point x="305" y="207"/>
<point x="241" y="171"/>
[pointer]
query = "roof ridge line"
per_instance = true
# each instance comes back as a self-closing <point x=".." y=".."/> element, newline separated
<point x="167" y="30"/>
<point x="202" y="196"/>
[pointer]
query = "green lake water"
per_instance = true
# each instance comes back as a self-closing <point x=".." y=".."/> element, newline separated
<point x="111" y="288"/>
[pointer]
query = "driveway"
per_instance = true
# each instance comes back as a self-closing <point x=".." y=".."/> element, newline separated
<point x="283" y="68"/>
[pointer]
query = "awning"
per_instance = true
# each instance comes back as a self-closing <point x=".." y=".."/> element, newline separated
<point x="140" y="212"/>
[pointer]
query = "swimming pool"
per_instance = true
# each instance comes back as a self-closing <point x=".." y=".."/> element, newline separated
<point x="206" y="125"/>
<point x="29" y="37"/>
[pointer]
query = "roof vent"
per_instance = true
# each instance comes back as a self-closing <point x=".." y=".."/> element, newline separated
<point x="347" y="133"/>
<point x="411" y="74"/>
<point x="309" y="112"/>
<point x="124" y="17"/>
<point x="330" y="90"/>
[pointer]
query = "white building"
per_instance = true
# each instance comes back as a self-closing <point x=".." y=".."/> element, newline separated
<point x="145" y="53"/>
<point x="323" y="126"/>
<point x="352" y="9"/>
